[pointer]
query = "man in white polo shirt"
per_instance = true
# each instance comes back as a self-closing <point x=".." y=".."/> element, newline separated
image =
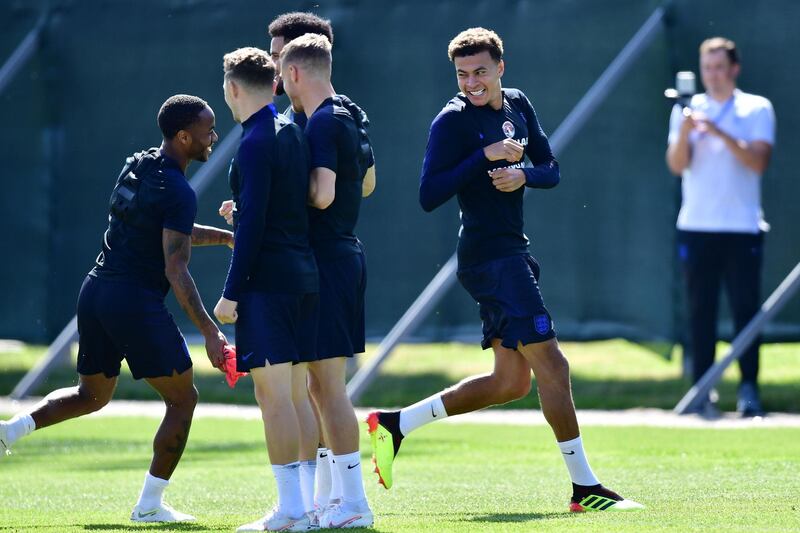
<point x="721" y="146"/>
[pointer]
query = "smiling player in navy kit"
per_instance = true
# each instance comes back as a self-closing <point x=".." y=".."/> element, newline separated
<point x="121" y="311"/>
<point x="475" y="152"/>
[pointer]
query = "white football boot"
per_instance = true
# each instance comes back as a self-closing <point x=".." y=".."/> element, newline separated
<point x="348" y="515"/>
<point x="162" y="513"/>
<point x="275" y="521"/>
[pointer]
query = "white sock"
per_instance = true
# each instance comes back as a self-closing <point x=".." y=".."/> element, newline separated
<point x="323" y="486"/>
<point x="421" y="413"/>
<point x="19" y="426"/>
<point x="336" y="480"/>
<point x="579" y="469"/>
<point x="349" y="468"/>
<point x="308" y="470"/>
<point x="152" y="492"/>
<point x="290" y="497"/>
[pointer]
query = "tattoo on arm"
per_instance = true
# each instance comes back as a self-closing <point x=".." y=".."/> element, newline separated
<point x="177" y="252"/>
<point x="210" y="236"/>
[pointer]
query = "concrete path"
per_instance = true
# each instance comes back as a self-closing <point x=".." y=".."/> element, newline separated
<point x="627" y="417"/>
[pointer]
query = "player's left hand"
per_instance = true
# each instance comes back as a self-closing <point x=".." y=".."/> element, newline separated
<point x="225" y="311"/>
<point x="507" y="179"/>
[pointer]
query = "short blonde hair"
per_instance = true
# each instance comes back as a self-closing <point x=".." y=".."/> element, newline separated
<point x="312" y="51"/>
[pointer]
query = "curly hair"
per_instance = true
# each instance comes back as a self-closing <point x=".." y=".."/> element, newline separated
<point x="474" y="41"/>
<point x="250" y="66"/>
<point x="179" y="112"/>
<point x="292" y="25"/>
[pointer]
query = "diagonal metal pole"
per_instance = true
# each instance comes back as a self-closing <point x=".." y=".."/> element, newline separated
<point x="22" y="54"/>
<point x="565" y="132"/>
<point x="59" y="350"/>
<point x="694" y="399"/>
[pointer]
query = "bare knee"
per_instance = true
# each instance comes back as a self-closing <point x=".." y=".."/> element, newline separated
<point x="512" y="388"/>
<point x="314" y="387"/>
<point x="560" y="366"/>
<point x="185" y="400"/>
<point x="326" y="386"/>
<point x="555" y="371"/>
<point x="93" y="400"/>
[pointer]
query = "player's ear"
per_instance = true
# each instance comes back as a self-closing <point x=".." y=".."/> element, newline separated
<point x="184" y="138"/>
<point x="234" y="88"/>
<point x="501" y="67"/>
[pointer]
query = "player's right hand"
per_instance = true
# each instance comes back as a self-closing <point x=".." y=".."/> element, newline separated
<point x="226" y="211"/>
<point x="215" y="345"/>
<point x="508" y="149"/>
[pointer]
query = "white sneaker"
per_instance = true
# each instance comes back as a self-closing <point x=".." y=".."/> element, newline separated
<point x="5" y="444"/>
<point x="347" y="515"/>
<point x="162" y="513"/>
<point x="275" y="521"/>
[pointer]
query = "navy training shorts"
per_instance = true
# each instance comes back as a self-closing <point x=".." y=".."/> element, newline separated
<point x="275" y="328"/>
<point x="511" y="306"/>
<point x="119" y="320"/>
<point x="342" y="287"/>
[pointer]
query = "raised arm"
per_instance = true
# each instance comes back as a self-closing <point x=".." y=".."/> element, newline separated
<point x="755" y="155"/>
<point x="679" y="150"/>
<point x="444" y="170"/>
<point x="177" y="249"/>
<point x="211" y="236"/>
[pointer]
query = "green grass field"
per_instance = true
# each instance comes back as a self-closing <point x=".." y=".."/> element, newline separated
<point x="85" y="475"/>
<point x="613" y="374"/>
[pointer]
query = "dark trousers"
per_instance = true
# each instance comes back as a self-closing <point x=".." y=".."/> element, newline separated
<point x="709" y="260"/>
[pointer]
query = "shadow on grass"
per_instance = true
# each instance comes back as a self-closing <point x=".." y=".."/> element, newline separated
<point x="514" y="517"/>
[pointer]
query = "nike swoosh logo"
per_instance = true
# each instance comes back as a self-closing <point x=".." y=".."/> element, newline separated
<point x="246" y="357"/>
<point x="350" y="467"/>
<point x="569" y="453"/>
<point x="433" y="413"/>
<point x="323" y="455"/>
<point x="149" y="513"/>
<point x="351" y="520"/>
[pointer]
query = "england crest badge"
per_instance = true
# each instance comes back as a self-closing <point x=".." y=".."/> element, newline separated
<point x="508" y="129"/>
